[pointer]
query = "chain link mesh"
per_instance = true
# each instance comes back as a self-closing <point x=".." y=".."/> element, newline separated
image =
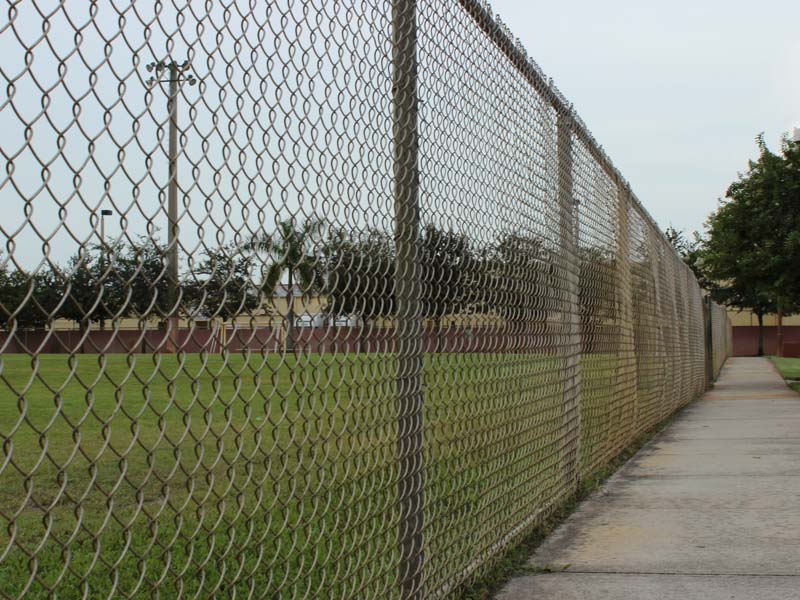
<point x="722" y="337"/>
<point x="298" y="300"/>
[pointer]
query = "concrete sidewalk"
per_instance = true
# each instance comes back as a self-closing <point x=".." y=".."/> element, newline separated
<point x="709" y="509"/>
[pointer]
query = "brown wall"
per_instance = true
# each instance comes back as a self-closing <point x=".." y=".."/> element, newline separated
<point x="543" y="338"/>
<point x="537" y="337"/>
<point x="745" y="340"/>
<point x="130" y="341"/>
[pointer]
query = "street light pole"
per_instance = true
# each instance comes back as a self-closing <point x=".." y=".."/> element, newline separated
<point x="176" y="75"/>
<point x="172" y="194"/>
<point x="103" y="251"/>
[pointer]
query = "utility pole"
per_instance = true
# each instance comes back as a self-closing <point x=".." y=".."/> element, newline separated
<point x="176" y="73"/>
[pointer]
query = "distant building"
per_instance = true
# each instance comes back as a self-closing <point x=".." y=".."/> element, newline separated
<point x="745" y="333"/>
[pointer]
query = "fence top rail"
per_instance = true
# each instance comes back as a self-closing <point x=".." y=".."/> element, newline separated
<point x="499" y="33"/>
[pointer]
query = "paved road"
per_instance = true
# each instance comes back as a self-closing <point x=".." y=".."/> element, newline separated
<point x="708" y="510"/>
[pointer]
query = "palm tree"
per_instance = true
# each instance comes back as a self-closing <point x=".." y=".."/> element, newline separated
<point x="291" y="251"/>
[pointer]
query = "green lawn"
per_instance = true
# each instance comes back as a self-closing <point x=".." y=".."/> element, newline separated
<point x="789" y="368"/>
<point x="268" y="473"/>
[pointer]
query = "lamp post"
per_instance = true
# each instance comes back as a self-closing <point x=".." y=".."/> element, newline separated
<point x="103" y="214"/>
<point x="103" y="251"/>
<point x="173" y="73"/>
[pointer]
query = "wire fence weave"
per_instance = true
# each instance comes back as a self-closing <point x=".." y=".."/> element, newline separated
<point x="319" y="299"/>
<point x="722" y="338"/>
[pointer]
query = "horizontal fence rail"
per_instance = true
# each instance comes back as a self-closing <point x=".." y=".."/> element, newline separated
<point x="310" y="299"/>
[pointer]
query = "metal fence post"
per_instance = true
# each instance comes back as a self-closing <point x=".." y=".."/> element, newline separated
<point x="709" y="345"/>
<point x="626" y="384"/>
<point x="407" y="294"/>
<point x="570" y="307"/>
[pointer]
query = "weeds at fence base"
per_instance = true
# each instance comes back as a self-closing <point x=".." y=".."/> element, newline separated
<point x="515" y="561"/>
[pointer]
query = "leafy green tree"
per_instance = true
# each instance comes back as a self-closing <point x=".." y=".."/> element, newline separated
<point x="789" y="251"/>
<point x="597" y="284"/>
<point x="140" y="274"/>
<point x="31" y="299"/>
<point x="445" y="263"/>
<point x="359" y="274"/>
<point x="291" y="251"/>
<point x="222" y="285"/>
<point x="80" y="291"/>
<point x="81" y="285"/>
<point x="12" y="293"/>
<point x="6" y="306"/>
<point x="677" y="239"/>
<point x="48" y="296"/>
<point x="115" y="281"/>
<point x="511" y="277"/>
<point x="785" y="263"/>
<point x="691" y="251"/>
<point x="747" y="291"/>
<point x="751" y="250"/>
<point x="110" y="269"/>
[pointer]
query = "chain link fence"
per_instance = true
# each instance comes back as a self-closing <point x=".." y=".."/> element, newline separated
<point x="721" y="338"/>
<point x="299" y="300"/>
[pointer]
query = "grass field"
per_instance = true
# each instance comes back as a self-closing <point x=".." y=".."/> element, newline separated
<point x="274" y="473"/>
<point x="789" y="368"/>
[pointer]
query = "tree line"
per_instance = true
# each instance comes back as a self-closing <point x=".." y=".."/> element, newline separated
<point x="515" y="277"/>
<point x="126" y="280"/>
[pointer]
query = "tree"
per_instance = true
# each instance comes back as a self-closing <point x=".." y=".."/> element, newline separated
<point x="222" y="285"/>
<point x="789" y="251"/>
<point x="691" y="251"/>
<point x="82" y="290"/>
<point x="139" y="272"/>
<point x="86" y="290"/>
<point x="14" y="287"/>
<point x="359" y="274"/>
<point x="751" y="251"/>
<point x="113" y="282"/>
<point x="511" y="276"/>
<point x="786" y="237"/>
<point x="677" y="239"/>
<point x="31" y="299"/>
<point x="597" y="284"/>
<point x="291" y="251"/>
<point x="7" y="297"/>
<point x="445" y="261"/>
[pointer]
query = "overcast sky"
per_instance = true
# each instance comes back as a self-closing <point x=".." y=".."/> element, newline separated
<point x="674" y="91"/>
<point x="676" y="95"/>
